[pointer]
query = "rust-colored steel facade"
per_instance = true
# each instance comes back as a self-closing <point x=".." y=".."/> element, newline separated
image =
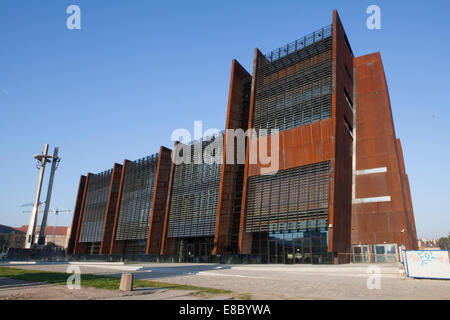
<point x="117" y="247"/>
<point x="231" y="181"/>
<point x="76" y="215"/>
<point x="340" y="181"/>
<point x="156" y="229"/>
<point x="326" y="140"/>
<point x="382" y="209"/>
<point x="168" y="245"/>
<point x="113" y="198"/>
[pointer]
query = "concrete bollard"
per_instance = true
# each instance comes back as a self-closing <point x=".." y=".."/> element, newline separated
<point x="126" y="282"/>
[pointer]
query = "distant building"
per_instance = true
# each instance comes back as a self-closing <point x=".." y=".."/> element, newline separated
<point x="10" y="238"/>
<point x="425" y="244"/>
<point x="6" y="230"/>
<point x="59" y="236"/>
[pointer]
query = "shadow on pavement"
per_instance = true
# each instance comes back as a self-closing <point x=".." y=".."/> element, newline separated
<point x="167" y="271"/>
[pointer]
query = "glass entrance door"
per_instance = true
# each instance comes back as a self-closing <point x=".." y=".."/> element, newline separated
<point x="360" y="254"/>
<point x="272" y="251"/>
<point x="384" y="253"/>
<point x="276" y="251"/>
<point x="298" y="249"/>
<point x="289" y="249"/>
<point x="309" y="247"/>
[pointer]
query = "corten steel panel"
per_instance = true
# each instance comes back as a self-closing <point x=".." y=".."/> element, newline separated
<point x="80" y="248"/>
<point x="371" y="185"/>
<point x="76" y="215"/>
<point x="113" y="198"/>
<point x="301" y="146"/>
<point x="411" y="223"/>
<point x="376" y="147"/>
<point x="117" y="247"/>
<point x="245" y="238"/>
<point x="342" y="113"/>
<point x="235" y="119"/>
<point x="168" y="245"/>
<point x="159" y="202"/>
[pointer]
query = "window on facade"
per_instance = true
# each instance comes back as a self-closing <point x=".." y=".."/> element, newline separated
<point x="137" y="199"/>
<point x="348" y="127"/>
<point x="288" y="199"/>
<point x="95" y="207"/>
<point x="284" y="100"/>
<point x="348" y="99"/>
<point x="194" y="198"/>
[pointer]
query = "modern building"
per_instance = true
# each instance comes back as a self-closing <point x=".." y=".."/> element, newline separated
<point x="425" y="244"/>
<point x="11" y="238"/>
<point x="121" y="211"/>
<point x="339" y="189"/>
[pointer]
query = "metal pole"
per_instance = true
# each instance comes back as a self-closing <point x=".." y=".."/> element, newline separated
<point x="54" y="228"/>
<point x="41" y="240"/>
<point x="29" y="241"/>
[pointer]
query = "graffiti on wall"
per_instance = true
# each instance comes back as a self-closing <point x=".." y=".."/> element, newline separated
<point x="433" y="264"/>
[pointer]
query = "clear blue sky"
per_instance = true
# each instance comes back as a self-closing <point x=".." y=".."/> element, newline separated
<point x="138" y="69"/>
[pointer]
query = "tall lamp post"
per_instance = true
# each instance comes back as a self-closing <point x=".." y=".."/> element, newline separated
<point x="31" y="231"/>
<point x="55" y="161"/>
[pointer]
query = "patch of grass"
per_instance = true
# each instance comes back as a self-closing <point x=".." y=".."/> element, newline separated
<point x="174" y="286"/>
<point x="95" y="281"/>
<point x="245" y="296"/>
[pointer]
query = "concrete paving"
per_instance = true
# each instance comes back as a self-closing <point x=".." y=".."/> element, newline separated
<point x="11" y="289"/>
<point x="279" y="281"/>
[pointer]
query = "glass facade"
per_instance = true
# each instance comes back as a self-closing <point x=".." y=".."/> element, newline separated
<point x="384" y="253"/>
<point x="137" y="199"/>
<point x="287" y="199"/>
<point x="93" y="248"/>
<point x="293" y="83"/>
<point x="196" y="249"/>
<point x="135" y="247"/>
<point x="94" y="210"/>
<point x="375" y="253"/>
<point x="194" y="198"/>
<point x="307" y="247"/>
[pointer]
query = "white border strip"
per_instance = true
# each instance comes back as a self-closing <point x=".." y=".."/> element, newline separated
<point x="371" y="200"/>
<point x="371" y="171"/>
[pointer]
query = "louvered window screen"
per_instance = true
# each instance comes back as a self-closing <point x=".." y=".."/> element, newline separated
<point x="95" y="207"/>
<point x="284" y="201"/>
<point x="194" y="199"/>
<point x="137" y="199"/>
<point x="293" y="83"/>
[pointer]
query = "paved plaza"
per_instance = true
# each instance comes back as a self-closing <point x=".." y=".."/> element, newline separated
<point x="272" y="281"/>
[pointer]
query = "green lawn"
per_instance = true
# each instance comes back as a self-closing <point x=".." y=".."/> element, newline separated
<point x="95" y="281"/>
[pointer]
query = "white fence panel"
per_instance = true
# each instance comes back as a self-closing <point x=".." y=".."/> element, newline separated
<point x="434" y="264"/>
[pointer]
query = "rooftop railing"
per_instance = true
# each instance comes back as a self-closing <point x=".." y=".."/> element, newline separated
<point x="299" y="44"/>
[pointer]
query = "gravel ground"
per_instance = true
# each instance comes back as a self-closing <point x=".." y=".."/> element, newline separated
<point x="11" y="289"/>
<point x="22" y="290"/>
<point x="277" y="281"/>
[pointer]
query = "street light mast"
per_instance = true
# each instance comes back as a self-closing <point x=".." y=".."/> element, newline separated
<point x="31" y="231"/>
